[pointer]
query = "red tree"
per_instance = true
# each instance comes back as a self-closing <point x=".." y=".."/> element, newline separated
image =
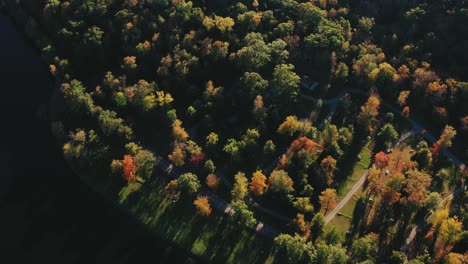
<point x="129" y="168"/>
<point x="436" y="148"/>
<point x="196" y="158"/>
<point x="381" y="160"/>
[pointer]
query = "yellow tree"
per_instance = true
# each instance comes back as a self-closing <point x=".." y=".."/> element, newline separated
<point x="289" y="126"/>
<point x="447" y="136"/>
<point x="403" y="97"/>
<point x="375" y="185"/>
<point x="450" y="232"/>
<point x="178" y="132"/>
<point x="301" y="225"/>
<point x="202" y="205"/>
<point x="328" y="199"/>
<point x="369" y="112"/>
<point x="240" y="189"/>
<point x="258" y="183"/>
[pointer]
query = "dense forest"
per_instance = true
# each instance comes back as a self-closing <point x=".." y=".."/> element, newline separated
<point x="268" y="131"/>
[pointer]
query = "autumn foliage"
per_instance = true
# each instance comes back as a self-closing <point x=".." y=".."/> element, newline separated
<point x="212" y="181"/>
<point x="328" y="199"/>
<point x="202" y="205"/>
<point x="381" y="160"/>
<point x="197" y="158"/>
<point x="129" y="168"/>
<point x="258" y="183"/>
<point x="304" y="143"/>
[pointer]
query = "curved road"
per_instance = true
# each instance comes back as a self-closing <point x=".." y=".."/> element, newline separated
<point x="268" y="231"/>
<point x="359" y="184"/>
<point x="416" y="128"/>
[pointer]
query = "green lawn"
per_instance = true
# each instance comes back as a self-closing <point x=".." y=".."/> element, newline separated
<point x="358" y="170"/>
<point x="201" y="235"/>
<point x="343" y="222"/>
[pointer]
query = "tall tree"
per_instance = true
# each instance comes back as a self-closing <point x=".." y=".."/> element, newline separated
<point x="242" y="215"/>
<point x="303" y="204"/>
<point x="213" y="181"/>
<point x="188" y="183"/>
<point x="365" y="248"/>
<point x="417" y="185"/>
<point x="293" y="249"/>
<point x="203" y="205"/>
<point x="388" y="134"/>
<point x="327" y="169"/>
<point x="447" y="136"/>
<point x="328" y="199"/>
<point x="129" y="168"/>
<point x="381" y="160"/>
<point x="240" y="189"/>
<point x="369" y="112"/>
<point x="280" y="182"/>
<point x="289" y="126"/>
<point x="285" y="82"/>
<point x="301" y="226"/>
<point x="258" y="183"/>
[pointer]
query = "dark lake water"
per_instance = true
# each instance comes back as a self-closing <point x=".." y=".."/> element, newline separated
<point x="47" y="215"/>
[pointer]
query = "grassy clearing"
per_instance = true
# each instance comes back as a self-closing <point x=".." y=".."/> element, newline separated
<point x="200" y="235"/>
<point x="358" y="170"/>
<point x="342" y="221"/>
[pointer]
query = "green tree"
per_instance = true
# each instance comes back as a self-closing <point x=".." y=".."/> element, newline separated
<point x="329" y="254"/>
<point x="242" y="215"/>
<point x="113" y="126"/>
<point x="144" y="160"/>
<point x="188" y="183"/>
<point x="285" y="82"/>
<point x="383" y="77"/>
<point x="233" y="148"/>
<point x="330" y="35"/>
<point x="317" y="225"/>
<point x="253" y="84"/>
<point x="255" y="54"/>
<point x="397" y="257"/>
<point x="366" y="24"/>
<point x="240" y="188"/>
<point x="279" y="54"/>
<point x="212" y="139"/>
<point x="78" y="101"/>
<point x="310" y="15"/>
<point x="332" y="236"/>
<point x="120" y="99"/>
<point x="388" y="134"/>
<point x="433" y="200"/>
<point x="303" y="204"/>
<point x="269" y="148"/>
<point x="209" y="166"/>
<point x="280" y="182"/>
<point x="293" y="249"/>
<point x="365" y="248"/>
